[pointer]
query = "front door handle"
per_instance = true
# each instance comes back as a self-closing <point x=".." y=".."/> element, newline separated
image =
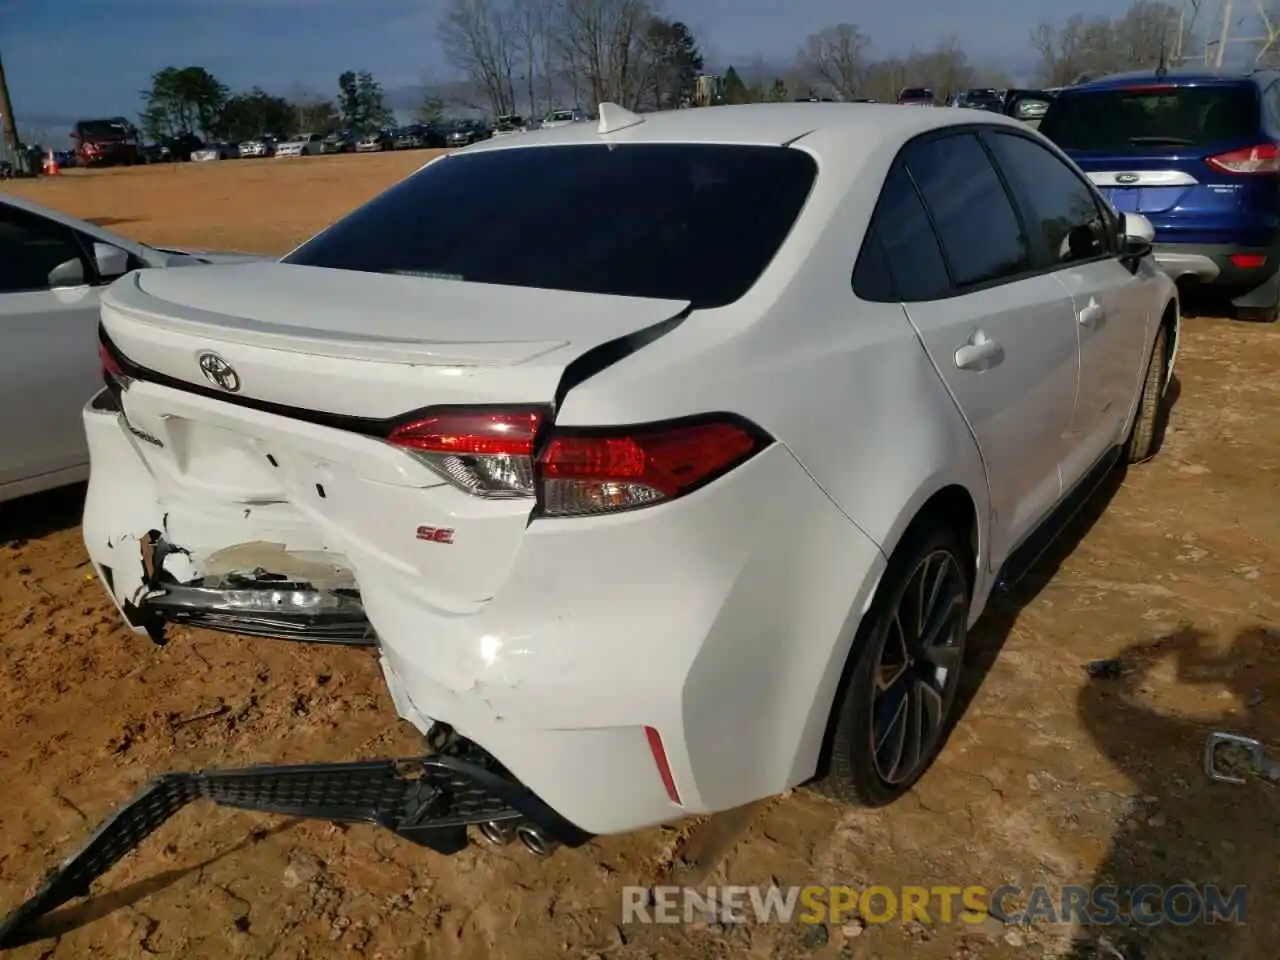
<point x="979" y="353"/>
<point x="1092" y="315"/>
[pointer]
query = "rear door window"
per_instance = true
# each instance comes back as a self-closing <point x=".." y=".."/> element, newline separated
<point x="981" y="234"/>
<point x="697" y="222"/>
<point x="1153" y="116"/>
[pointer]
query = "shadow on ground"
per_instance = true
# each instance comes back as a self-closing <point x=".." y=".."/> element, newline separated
<point x="1197" y="833"/>
<point x="40" y="514"/>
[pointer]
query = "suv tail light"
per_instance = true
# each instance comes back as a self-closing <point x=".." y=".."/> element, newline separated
<point x="1262" y="159"/>
<point x="505" y="453"/>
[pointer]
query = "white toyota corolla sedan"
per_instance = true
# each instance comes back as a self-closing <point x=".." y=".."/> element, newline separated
<point x="681" y="488"/>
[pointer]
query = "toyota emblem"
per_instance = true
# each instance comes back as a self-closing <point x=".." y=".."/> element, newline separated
<point x="1127" y="179"/>
<point x="220" y="373"/>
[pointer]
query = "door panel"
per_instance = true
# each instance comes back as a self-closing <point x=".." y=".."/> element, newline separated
<point x="48" y="348"/>
<point x="1112" y="314"/>
<point x="1003" y="340"/>
<point x="1019" y="402"/>
<point x="1076" y="239"/>
<point x="48" y="371"/>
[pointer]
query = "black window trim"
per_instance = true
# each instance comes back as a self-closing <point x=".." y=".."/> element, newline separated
<point x="979" y="129"/>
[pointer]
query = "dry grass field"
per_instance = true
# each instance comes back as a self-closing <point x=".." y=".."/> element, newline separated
<point x="1051" y="777"/>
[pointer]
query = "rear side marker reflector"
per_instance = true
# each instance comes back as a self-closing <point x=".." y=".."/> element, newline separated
<point x="1251" y="161"/>
<point x="517" y="453"/>
<point x="1248" y="261"/>
<point x="664" y="765"/>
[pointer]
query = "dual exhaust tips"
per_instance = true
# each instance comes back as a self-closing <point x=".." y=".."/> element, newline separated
<point x="533" y="838"/>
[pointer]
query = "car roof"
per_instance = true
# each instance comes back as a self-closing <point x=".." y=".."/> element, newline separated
<point x="764" y="124"/>
<point x="1187" y="76"/>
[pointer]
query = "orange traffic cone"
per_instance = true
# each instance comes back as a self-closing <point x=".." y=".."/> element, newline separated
<point x="51" y="165"/>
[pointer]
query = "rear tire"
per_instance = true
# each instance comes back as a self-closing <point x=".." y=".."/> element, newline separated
<point x="1144" y="436"/>
<point x="898" y="692"/>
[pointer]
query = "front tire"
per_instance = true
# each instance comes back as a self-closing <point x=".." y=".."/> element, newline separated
<point x="1144" y="437"/>
<point x="899" y="688"/>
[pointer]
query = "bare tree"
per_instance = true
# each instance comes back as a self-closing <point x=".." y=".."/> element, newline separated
<point x="531" y="21"/>
<point x="603" y="42"/>
<point x="836" y="59"/>
<point x="479" y="39"/>
<point x="1078" y="46"/>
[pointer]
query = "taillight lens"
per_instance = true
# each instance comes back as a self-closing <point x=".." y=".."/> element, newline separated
<point x="113" y="374"/>
<point x="488" y="453"/>
<point x="1262" y="159"/>
<point x="508" y="453"/>
<point x="591" y="472"/>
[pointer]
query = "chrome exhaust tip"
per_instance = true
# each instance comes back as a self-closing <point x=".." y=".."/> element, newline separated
<point x="534" y="839"/>
<point x="496" y="833"/>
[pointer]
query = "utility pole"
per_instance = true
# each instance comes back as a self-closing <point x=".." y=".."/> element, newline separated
<point x="10" y="129"/>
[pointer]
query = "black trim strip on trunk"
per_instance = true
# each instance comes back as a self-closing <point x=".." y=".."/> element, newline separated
<point x="580" y="369"/>
<point x="379" y="427"/>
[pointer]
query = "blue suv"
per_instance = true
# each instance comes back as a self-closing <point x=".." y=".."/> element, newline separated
<point x="1195" y="152"/>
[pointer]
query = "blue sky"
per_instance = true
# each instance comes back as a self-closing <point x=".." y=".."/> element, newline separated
<point x="72" y="58"/>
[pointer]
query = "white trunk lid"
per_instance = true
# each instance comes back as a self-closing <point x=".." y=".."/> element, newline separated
<point x="322" y="356"/>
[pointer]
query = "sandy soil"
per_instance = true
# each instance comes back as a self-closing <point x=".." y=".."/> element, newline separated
<point x="1050" y="777"/>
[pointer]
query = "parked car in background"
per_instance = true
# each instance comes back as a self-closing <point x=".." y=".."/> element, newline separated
<point x="340" y="141"/>
<point x="805" y="488"/>
<point x="106" y="143"/>
<point x="509" y="124"/>
<point x="981" y="98"/>
<point x="216" y="151"/>
<point x="1028" y="105"/>
<point x="466" y="132"/>
<point x="917" y="97"/>
<point x="55" y="269"/>
<point x="563" y="117"/>
<point x="412" y="137"/>
<point x="300" y="145"/>
<point x="377" y="141"/>
<point x="262" y="146"/>
<point x="1197" y="152"/>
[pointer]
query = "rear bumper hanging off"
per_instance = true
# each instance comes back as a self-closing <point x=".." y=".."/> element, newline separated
<point x="427" y="800"/>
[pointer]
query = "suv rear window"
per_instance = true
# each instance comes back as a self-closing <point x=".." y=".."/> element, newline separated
<point x="696" y="222"/>
<point x="1142" y="117"/>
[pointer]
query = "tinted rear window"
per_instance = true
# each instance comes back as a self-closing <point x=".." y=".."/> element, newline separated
<point x="671" y="221"/>
<point x="1126" y="120"/>
<point x="917" y="93"/>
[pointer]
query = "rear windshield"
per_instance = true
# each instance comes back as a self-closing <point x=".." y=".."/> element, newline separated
<point x="1133" y="119"/>
<point x="696" y="222"/>
<point x="917" y="93"/>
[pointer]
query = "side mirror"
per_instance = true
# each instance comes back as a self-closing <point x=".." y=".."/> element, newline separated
<point x="112" y="261"/>
<point x="69" y="273"/>
<point x="1136" y="236"/>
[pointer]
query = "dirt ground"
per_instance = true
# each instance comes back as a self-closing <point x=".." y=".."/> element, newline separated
<point x="1050" y="776"/>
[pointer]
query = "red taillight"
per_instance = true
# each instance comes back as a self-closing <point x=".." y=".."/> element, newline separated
<point x="485" y="452"/>
<point x="1248" y="261"/>
<point x="112" y="373"/>
<point x="591" y="472"/>
<point x="495" y="454"/>
<point x="1262" y="159"/>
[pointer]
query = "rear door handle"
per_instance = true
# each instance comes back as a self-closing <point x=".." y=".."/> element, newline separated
<point x="1092" y="315"/>
<point x="979" y="353"/>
